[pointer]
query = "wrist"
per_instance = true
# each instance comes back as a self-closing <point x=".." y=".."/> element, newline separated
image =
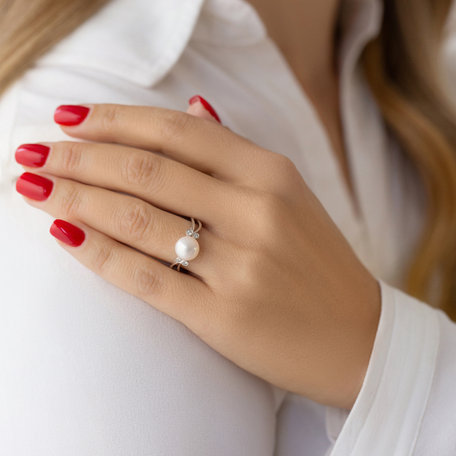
<point x="363" y="345"/>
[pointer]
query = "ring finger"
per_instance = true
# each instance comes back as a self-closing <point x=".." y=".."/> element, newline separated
<point x="138" y="274"/>
<point x="125" y="218"/>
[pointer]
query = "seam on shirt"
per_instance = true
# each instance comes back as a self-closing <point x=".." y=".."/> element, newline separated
<point x="428" y="334"/>
<point x="381" y="379"/>
<point x="431" y="383"/>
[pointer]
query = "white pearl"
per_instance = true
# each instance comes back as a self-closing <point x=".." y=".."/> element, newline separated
<point x="187" y="248"/>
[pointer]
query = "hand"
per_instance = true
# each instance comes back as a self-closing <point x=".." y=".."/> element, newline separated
<point x="276" y="288"/>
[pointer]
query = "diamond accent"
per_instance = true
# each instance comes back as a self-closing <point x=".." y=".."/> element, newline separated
<point x="190" y="232"/>
<point x="181" y="261"/>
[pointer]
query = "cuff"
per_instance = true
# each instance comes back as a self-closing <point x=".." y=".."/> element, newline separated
<point x="387" y="413"/>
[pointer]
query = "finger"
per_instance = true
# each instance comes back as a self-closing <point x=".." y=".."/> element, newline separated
<point x="177" y="294"/>
<point x="206" y="146"/>
<point x="201" y="108"/>
<point x="124" y="218"/>
<point x="165" y="183"/>
<point x="198" y="110"/>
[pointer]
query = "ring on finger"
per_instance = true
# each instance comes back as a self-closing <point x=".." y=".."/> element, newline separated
<point x="187" y="247"/>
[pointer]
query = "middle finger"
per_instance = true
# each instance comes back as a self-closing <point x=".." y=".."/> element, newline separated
<point x="166" y="183"/>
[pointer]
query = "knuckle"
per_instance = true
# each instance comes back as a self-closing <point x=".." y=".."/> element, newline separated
<point x="286" y="163"/>
<point x="103" y="259"/>
<point x="249" y="268"/>
<point x="109" y="117"/>
<point x="135" y="222"/>
<point x="71" y="157"/>
<point x="146" y="282"/>
<point x="285" y="175"/>
<point x="282" y="163"/>
<point x="173" y="124"/>
<point x="71" y="201"/>
<point x="245" y="304"/>
<point x="265" y="215"/>
<point x="140" y="169"/>
<point x="156" y="182"/>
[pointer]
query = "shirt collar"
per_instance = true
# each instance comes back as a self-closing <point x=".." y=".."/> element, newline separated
<point x="360" y="21"/>
<point x="141" y="40"/>
<point x="138" y="40"/>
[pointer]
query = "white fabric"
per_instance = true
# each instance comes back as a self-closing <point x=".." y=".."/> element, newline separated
<point x="87" y="369"/>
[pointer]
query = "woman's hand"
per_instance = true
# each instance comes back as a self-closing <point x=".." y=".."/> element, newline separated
<point x="276" y="288"/>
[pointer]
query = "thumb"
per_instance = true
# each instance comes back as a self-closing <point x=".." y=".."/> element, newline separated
<point x="199" y="107"/>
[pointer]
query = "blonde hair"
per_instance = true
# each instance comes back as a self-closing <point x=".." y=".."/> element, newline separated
<point x="403" y="68"/>
<point x="30" y="28"/>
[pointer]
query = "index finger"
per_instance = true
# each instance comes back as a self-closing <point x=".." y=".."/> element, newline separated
<point x="199" y="143"/>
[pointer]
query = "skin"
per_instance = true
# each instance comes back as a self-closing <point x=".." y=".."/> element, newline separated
<point x="276" y="288"/>
<point x="304" y="30"/>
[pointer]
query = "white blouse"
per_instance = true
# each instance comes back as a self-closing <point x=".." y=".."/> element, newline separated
<point x="87" y="369"/>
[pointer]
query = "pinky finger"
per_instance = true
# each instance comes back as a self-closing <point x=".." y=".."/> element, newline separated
<point x="179" y="295"/>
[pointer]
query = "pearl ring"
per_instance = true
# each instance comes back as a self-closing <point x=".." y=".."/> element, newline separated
<point x="187" y="247"/>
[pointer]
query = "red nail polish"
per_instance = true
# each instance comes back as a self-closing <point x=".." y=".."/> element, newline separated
<point x="33" y="155"/>
<point x="206" y="105"/>
<point x="67" y="233"/>
<point x="70" y="115"/>
<point x="34" y="186"/>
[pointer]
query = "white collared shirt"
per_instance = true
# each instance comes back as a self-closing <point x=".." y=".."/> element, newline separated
<point x="65" y="334"/>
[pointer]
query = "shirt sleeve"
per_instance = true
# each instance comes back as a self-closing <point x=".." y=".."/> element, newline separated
<point x="407" y="403"/>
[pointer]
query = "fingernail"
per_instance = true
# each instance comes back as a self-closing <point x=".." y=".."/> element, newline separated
<point x="206" y="105"/>
<point x="70" y="115"/>
<point x="67" y="233"/>
<point x="33" y="186"/>
<point x="33" y="155"/>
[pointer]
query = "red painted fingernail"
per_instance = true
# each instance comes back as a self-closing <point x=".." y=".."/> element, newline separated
<point x="70" y="114"/>
<point x="207" y="106"/>
<point x="34" y="186"/>
<point x="33" y="155"/>
<point x="67" y="233"/>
